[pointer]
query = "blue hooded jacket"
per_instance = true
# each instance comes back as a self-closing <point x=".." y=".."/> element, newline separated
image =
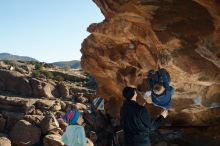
<point x="161" y="76"/>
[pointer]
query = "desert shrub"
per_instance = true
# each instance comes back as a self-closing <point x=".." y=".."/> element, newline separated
<point x="38" y="66"/>
<point x="10" y="62"/>
<point x="33" y="62"/>
<point x="36" y="74"/>
<point x="48" y="74"/>
<point x="59" y="78"/>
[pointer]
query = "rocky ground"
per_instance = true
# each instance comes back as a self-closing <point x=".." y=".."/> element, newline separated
<point x="35" y="96"/>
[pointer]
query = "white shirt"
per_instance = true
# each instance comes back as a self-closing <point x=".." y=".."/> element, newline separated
<point x="74" y="136"/>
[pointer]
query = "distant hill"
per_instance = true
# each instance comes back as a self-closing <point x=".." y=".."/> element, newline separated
<point x="72" y="64"/>
<point x="7" y="56"/>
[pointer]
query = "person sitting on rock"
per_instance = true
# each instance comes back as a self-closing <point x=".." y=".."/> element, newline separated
<point x="160" y="90"/>
<point x="74" y="134"/>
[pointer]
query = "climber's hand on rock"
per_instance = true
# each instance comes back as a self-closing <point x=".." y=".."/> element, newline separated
<point x="149" y="100"/>
<point x="164" y="113"/>
<point x="159" y="66"/>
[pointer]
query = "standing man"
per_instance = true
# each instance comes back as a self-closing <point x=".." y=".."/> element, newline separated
<point x="136" y="121"/>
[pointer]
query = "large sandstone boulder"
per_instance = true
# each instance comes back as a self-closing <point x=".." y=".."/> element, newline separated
<point x="16" y="104"/>
<point x="25" y="134"/>
<point x="42" y="89"/>
<point x="77" y="91"/>
<point x="12" y="118"/>
<point x="34" y="119"/>
<point x="20" y="70"/>
<point x="63" y="90"/>
<point x="50" y="125"/>
<point x="15" y="82"/>
<point x="53" y="140"/>
<point x="184" y="35"/>
<point x="45" y="105"/>
<point x="3" y="65"/>
<point x="80" y="106"/>
<point x="81" y="99"/>
<point x="57" y="106"/>
<point x="63" y="105"/>
<point x="196" y="116"/>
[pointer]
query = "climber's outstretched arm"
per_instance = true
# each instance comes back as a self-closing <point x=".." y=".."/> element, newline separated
<point x="158" y="66"/>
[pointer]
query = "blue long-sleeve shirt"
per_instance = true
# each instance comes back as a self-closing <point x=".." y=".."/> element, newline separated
<point x="163" y="100"/>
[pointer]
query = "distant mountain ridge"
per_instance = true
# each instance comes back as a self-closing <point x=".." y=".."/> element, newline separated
<point x="7" y="56"/>
<point x="71" y="64"/>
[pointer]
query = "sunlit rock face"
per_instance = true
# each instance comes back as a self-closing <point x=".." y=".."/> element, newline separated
<point x="183" y="34"/>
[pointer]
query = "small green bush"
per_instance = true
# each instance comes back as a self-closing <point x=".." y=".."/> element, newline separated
<point x="47" y="74"/>
<point x="10" y="62"/>
<point x="59" y="78"/>
<point x="38" y="66"/>
<point x="36" y="74"/>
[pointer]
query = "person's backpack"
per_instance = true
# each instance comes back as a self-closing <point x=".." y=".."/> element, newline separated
<point x="99" y="103"/>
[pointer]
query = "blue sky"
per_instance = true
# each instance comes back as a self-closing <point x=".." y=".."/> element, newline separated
<point x="48" y="30"/>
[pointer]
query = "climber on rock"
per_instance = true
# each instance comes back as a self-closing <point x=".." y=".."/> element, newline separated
<point x="160" y="90"/>
<point x="136" y="121"/>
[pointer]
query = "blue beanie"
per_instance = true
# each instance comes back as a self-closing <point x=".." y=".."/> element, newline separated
<point x="72" y="117"/>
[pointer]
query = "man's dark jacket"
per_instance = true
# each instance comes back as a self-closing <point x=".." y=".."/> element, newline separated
<point x="137" y="124"/>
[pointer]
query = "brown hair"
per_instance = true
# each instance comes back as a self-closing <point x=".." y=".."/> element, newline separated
<point x="158" y="89"/>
